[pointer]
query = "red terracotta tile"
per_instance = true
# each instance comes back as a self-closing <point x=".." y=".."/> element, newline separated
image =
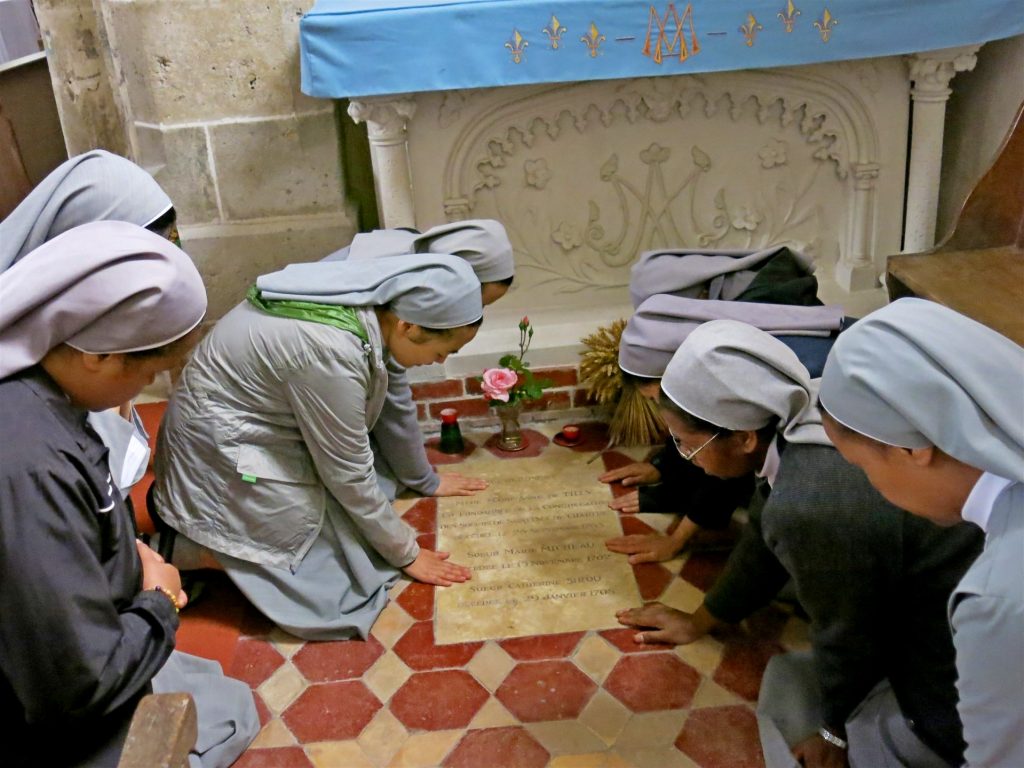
<point x="427" y="541"/>
<point x="277" y="757"/>
<point x="337" y="660"/>
<point x="542" y="646"/>
<point x="418" y="600"/>
<point x="545" y="690"/>
<point x="431" y="390"/>
<point x="623" y="640"/>
<point x="436" y="701"/>
<point x="417" y="649"/>
<point x="651" y="682"/>
<point x="467" y="407"/>
<point x="434" y="455"/>
<point x="652" y="578"/>
<point x="262" y="710"/>
<point x="703" y="568"/>
<point x="254" y="661"/>
<point x="631" y="525"/>
<point x="535" y="444"/>
<point x="331" y="711"/>
<point x="743" y="663"/>
<point x="422" y="516"/>
<point x="722" y="737"/>
<point x="559" y="377"/>
<point x="498" y="748"/>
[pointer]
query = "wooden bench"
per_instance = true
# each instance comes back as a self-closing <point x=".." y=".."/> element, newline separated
<point x="162" y="733"/>
<point x="978" y="269"/>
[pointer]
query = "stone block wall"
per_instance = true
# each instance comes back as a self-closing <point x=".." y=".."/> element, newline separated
<point x="207" y="92"/>
<point x="566" y="400"/>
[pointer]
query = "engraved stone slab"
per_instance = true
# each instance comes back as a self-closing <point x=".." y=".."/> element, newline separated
<point x="535" y="541"/>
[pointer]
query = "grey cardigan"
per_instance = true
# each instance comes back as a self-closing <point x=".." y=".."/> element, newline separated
<point x="271" y="418"/>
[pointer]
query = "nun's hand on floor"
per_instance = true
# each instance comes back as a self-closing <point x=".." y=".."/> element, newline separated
<point x="660" y="624"/>
<point x="459" y="485"/>
<point x="637" y="473"/>
<point x="628" y="503"/>
<point x="432" y="568"/>
<point x="644" y="547"/>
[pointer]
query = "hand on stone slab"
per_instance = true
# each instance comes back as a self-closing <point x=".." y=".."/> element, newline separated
<point x="432" y="568"/>
<point x="644" y="547"/>
<point x="637" y="473"/>
<point x="454" y="484"/>
<point x="628" y="503"/>
<point x="661" y="624"/>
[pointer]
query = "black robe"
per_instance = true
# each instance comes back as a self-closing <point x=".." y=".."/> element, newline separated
<point x="79" y="641"/>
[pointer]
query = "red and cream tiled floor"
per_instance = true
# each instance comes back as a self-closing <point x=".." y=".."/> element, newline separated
<point x="580" y="700"/>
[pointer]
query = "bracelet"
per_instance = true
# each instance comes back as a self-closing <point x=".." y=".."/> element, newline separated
<point x="169" y="595"/>
<point x="831" y="738"/>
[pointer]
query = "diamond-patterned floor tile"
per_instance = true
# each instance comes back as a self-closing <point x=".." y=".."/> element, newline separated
<point x="596" y="657"/>
<point x="425" y="750"/>
<point x="436" y="701"/>
<point x="493" y="715"/>
<point x="281" y="757"/>
<point x="386" y="676"/>
<point x="274" y="734"/>
<point x="498" y="748"/>
<point x="606" y="716"/>
<point x="335" y="754"/>
<point x="545" y="690"/>
<point x="391" y="624"/>
<point x="382" y="737"/>
<point x="418" y="601"/>
<point x="704" y="655"/>
<point x="287" y="644"/>
<point x="542" y="646"/>
<point x="491" y="665"/>
<point x="592" y="760"/>
<point x="331" y="711"/>
<point x="281" y="688"/>
<point x="682" y="596"/>
<point x="565" y="737"/>
<point x="422" y="516"/>
<point x="711" y="694"/>
<point x="255" y="660"/>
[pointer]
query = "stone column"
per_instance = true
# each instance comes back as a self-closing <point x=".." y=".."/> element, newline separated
<point x="931" y="73"/>
<point x="77" y="53"/>
<point x="386" y="120"/>
<point x="856" y="270"/>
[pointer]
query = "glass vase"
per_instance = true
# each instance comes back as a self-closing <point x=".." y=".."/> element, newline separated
<point x="511" y="437"/>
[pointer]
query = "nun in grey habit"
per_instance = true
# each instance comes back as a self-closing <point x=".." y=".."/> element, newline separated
<point x="264" y="454"/>
<point x="94" y="186"/>
<point x="89" y="615"/>
<point x="874" y="580"/>
<point x="401" y="462"/>
<point x="931" y="405"/>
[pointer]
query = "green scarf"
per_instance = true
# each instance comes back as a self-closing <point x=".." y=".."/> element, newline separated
<point x="345" y="318"/>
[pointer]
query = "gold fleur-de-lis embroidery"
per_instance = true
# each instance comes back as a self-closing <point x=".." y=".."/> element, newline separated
<point x="517" y="45"/>
<point x="788" y="15"/>
<point x="824" y="25"/>
<point x="554" y="31"/>
<point x="593" y="40"/>
<point x="750" y="29"/>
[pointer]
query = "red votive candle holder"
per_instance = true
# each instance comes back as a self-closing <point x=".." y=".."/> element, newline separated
<point x="571" y="433"/>
<point x="449" y="416"/>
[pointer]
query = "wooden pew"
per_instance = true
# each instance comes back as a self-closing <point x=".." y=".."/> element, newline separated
<point x="978" y="269"/>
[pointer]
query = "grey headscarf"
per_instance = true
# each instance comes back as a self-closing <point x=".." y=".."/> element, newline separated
<point x="738" y="377"/>
<point x="917" y="374"/>
<point x="685" y="272"/>
<point x="662" y="322"/>
<point x="481" y="242"/>
<point x="95" y="186"/>
<point x="433" y="291"/>
<point x="105" y="287"/>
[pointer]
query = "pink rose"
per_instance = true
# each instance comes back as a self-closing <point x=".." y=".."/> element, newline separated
<point x="497" y="382"/>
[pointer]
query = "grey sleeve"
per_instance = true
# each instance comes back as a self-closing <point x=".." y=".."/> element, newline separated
<point x="398" y="435"/>
<point x="988" y="634"/>
<point x="328" y="398"/>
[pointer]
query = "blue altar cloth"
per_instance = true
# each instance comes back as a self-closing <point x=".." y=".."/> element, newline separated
<point x="374" y="47"/>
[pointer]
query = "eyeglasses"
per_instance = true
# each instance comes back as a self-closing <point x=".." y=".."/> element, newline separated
<point x="689" y="455"/>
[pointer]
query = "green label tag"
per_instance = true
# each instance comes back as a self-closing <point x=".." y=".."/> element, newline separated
<point x="249" y="478"/>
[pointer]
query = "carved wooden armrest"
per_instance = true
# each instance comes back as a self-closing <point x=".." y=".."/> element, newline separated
<point x="162" y="733"/>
